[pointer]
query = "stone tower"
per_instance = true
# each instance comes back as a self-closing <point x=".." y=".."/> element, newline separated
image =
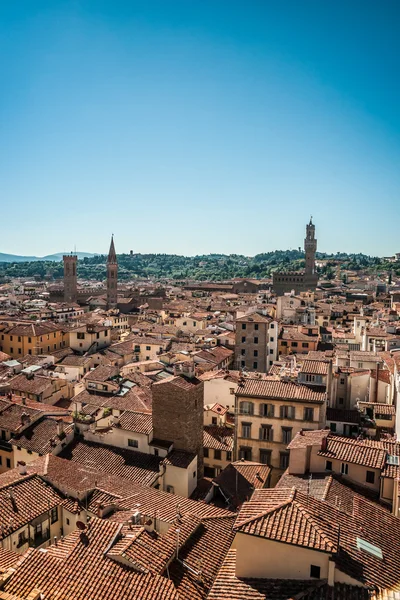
<point x="112" y="276"/>
<point x="70" y="278"/>
<point x="310" y="248"/>
<point x="178" y="418"/>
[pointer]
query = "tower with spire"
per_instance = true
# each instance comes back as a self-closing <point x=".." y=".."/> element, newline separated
<point x="112" y="276"/>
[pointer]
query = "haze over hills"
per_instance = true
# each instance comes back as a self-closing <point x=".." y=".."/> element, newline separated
<point x="56" y="257"/>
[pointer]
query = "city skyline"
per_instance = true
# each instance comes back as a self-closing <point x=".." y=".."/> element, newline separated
<point x="166" y="121"/>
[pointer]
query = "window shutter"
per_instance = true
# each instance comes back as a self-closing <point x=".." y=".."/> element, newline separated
<point x="282" y="412"/>
<point x="262" y="410"/>
<point x="271" y="435"/>
<point x="271" y="410"/>
<point x="260" y="433"/>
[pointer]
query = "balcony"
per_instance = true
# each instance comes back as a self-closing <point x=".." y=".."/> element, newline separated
<point x="39" y="539"/>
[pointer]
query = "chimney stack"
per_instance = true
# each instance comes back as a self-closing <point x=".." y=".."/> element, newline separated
<point x="25" y="419"/>
<point x="21" y="467"/>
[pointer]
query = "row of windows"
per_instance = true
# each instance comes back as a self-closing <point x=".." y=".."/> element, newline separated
<point x="29" y="338"/>
<point x="255" y="363"/>
<point x="41" y="349"/>
<point x="255" y="352"/>
<point x="295" y="344"/>
<point x="344" y="469"/>
<point x="8" y="462"/>
<point x="266" y="432"/>
<point x="255" y="340"/>
<point x="268" y="410"/>
<point x="244" y="326"/>
<point x="264" y="456"/>
<point x="217" y="454"/>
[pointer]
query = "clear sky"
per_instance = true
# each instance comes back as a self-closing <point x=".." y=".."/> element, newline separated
<point x="199" y="126"/>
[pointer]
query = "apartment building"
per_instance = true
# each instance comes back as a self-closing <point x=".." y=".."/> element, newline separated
<point x="30" y="338"/>
<point x="269" y="413"/>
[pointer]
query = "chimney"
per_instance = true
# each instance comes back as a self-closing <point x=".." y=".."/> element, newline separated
<point x="25" y="419"/>
<point x="21" y="467"/>
<point x="324" y="443"/>
<point x="60" y="429"/>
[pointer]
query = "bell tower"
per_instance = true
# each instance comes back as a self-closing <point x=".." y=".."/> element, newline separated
<point x="310" y="248"/>
<point x="112" y="276"/>
<point x="70" y="278"/>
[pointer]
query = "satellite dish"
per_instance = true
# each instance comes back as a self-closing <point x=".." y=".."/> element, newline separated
<point x="81" y="525"/>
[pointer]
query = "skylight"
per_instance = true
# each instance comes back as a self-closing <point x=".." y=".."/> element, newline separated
<point x="370" y="548"/>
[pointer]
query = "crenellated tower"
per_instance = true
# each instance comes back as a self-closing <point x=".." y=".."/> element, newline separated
<point x="310" y="248"/>
<point x="112" y="276"/>
<point x="70" y="278"/>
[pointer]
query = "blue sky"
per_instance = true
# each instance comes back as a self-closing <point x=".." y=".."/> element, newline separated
<point x="198" y="126"/>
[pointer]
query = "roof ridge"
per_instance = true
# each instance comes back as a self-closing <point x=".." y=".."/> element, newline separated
<point x="313" y="520"/>
<point x="327" y="487"/>
<point x="272" y="509"/>
<point x="22" y="479"/>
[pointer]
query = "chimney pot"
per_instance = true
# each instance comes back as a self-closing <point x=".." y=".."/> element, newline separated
<point x="22" y="467"/>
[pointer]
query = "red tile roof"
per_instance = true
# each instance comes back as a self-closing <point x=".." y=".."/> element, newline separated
<point x="275" y="389"/>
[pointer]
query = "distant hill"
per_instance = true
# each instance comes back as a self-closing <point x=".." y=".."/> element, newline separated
<point x="9" y="258"/>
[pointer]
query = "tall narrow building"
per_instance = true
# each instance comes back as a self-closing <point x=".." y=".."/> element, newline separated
<point x="112" y="276"/>
<point x="70" y="278"/>
<point x="310" y="248"/>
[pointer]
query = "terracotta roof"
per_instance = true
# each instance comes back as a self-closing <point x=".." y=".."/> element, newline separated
<point x="180" y="381"/>
<point x="272" y="388"/>
<point x="16" y="506"/>
<point x="204" y="551"/>
<point x="239" y="479"/>
<point x="253" y="318"/>
<point x="315" y="367"/>
<point x="290" y="516"/>
<point x="179" y="458"/>
<point x="11" y="416"/>
<point x="128" y="464"/>
<point x="136" y="422"/>
<point x="102" y="373"/>
<point x="380" y="409"/>
<point x="308" y="438"/>
<point x="40" y="435"/>
<point x="216" y="355"/>
<point x="8" y="559"/>
<point x="36" y="385"/>
<point x="79" y="568"/>
<point x="33" y="329"/>
<point x="219" y="438"/>
<point x="354" y="451"/>
<point x="216" y="408"/>
<point x="138" y="399"/>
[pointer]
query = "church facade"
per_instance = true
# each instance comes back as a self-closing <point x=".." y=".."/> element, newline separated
<point x="300" y="281"/>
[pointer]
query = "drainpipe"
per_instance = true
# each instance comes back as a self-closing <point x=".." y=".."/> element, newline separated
<point x="331" y="572"/>
<point x="377" y="383"/>
<point x="395" y="503"/>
